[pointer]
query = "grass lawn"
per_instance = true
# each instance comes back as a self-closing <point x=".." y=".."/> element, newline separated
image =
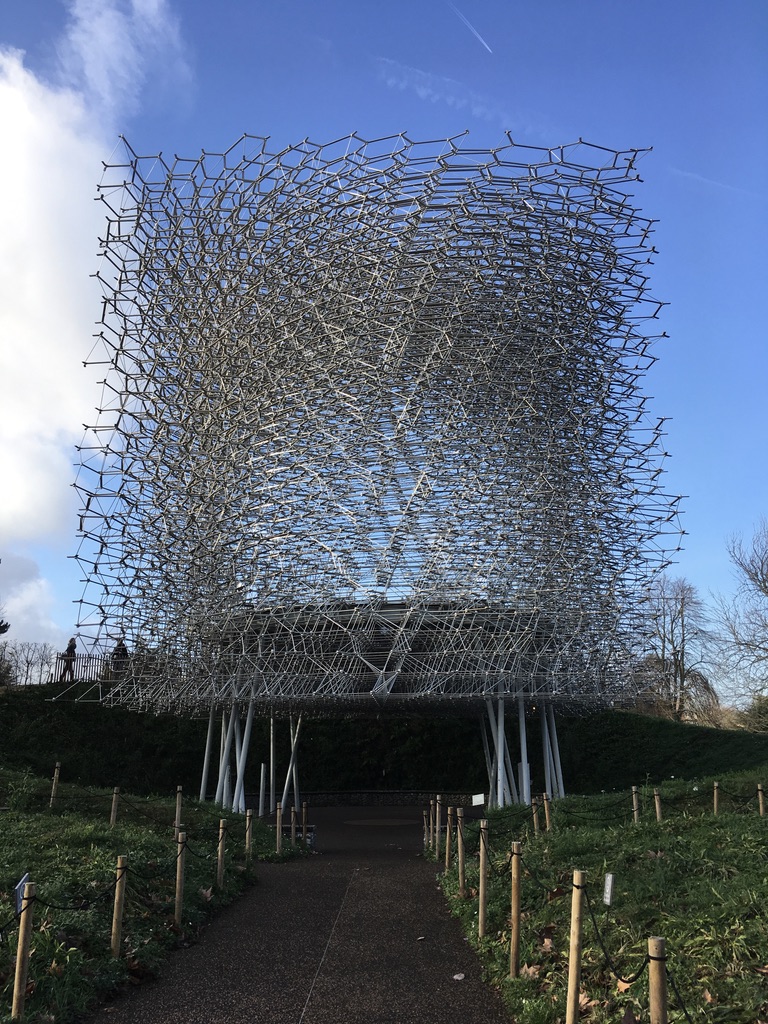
<point x="70" y="853"/>
<point x="699" y="881"/>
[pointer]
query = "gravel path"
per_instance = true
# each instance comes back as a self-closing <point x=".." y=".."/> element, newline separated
<point x="357" y="932"/>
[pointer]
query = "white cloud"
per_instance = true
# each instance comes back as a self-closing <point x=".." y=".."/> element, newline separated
<point x="47" y="301"/>
<point x="449" y="92"/>
<point x="29" y="606"/>
<point x="56" y="133"/>
<point x="111" y="50"/>
<point x="440" y="89"/>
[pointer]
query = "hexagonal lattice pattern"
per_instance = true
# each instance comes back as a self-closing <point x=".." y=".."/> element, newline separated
<point x="373" y="427"/>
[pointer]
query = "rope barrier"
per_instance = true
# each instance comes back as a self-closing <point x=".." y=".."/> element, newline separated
<point x="678" y="997"/>
<point x="608" y="959"/>
<point x="537" y="882"/>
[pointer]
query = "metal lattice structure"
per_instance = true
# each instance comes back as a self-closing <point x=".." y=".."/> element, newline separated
<point x="373" y="429"/>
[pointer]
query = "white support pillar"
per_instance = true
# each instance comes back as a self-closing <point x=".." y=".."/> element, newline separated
<point x="289" y="773"/>
<point x="555" y="792"/>
<point x="546" y="751"/>
<point x="207" y="755"/>
<point x="238" y="803"/>
<point x="488" y="764"/>
<point x="238" y="738"/>
<point x="555" y="749"/>
<point x="225" y="752"/>
<point x="262" y="789"/>
<point x="525" y="771"/>
<point x="502" y="790"/>
<point x="296" y="797"/>
<point x="511" y="777"/>
<point x="272" y="804"/>
<point x="492" y="762"/>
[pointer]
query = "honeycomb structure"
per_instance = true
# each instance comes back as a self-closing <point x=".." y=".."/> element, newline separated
<point x="373" y="430"/>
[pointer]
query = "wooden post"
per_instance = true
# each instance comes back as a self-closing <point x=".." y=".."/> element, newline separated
<point x="115" y="805"/>
<point x="574" y="955"/>
<point x="657" y="801"/>
<point x="55" y="783"/>
<point x="482" y="888"/>
<point x="657" y="980"/>
<point x="293" y="825"/>
<point x="431" y="824"/>
<point x="248" y="833"/>
<point x="514" y="931"/>
<point x="547" y="812"/>
<point x="181" y="848"/>
<point x="535" y="814"/>
<point x="716" y="798"/>
<point x="22" y="950"/>
<point x="438" y="825"/>
<point x="220" y="860"/>
<point x="760" y="799"/>
<point x="304" y="820"/>
<point x="448" y="840"/>
<point x="117" y="913"/>
<point x="460" y="851"/>
<point x="635" y="804"/>
<point x="425" y="817"/>
<point x="279" y="828"/>
<point x="177" y="819"/>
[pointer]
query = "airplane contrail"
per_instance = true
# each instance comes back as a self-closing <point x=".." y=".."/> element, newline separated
<point x="471" y="28"/>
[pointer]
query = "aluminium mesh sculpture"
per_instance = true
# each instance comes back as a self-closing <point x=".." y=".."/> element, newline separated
<point x="373" y="432"/>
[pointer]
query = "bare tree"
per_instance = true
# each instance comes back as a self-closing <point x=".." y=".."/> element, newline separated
<point x="745" y="618"/>
<point x="25" y="663"/>
<point x="673" y="672"/>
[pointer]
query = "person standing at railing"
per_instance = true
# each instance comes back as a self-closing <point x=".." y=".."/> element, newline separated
<point x="119" y="657"/>
<point x="68" y="661"/>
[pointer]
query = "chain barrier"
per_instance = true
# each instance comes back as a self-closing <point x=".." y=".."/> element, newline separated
<point x="167" y="864"/>
<point x="548" y="890"/>
<point x="81" y="904"/>
<point x="738" y="800"/>
<point x="608" y="959"/>
<point x="678" y="997"/>
<point x="12" y="922"/>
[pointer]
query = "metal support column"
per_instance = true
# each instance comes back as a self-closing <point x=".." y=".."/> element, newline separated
<point x="238" y="803"/>
<point x="525" y="771"/>
<point x="271" y="764"/>
<point x="207" y="755"/>
<point x="289" y="773"/>
<point x="555" y="749"/>
<point x="226" y="748"/>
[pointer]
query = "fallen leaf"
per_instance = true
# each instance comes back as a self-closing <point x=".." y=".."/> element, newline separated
<point x="458" y="977"/>
<point x="708" y="997"/>
<point x="545" y="938"/>
<point x="623" y="986"/>
<point x="529" y="970"/>
<point x="585" y="1003"/>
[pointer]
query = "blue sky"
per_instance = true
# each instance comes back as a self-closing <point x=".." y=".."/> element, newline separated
<point x="177" y="76"/>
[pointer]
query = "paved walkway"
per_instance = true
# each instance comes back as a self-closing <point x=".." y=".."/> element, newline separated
<point x="358" y="932"/>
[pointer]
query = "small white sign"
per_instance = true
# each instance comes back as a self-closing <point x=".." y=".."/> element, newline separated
<point x="478" y="799"/>
<point x="608" y="890"/>
<point x="20" y="893"/>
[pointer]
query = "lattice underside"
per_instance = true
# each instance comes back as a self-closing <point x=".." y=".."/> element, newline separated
<point x="373" y="430"/>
